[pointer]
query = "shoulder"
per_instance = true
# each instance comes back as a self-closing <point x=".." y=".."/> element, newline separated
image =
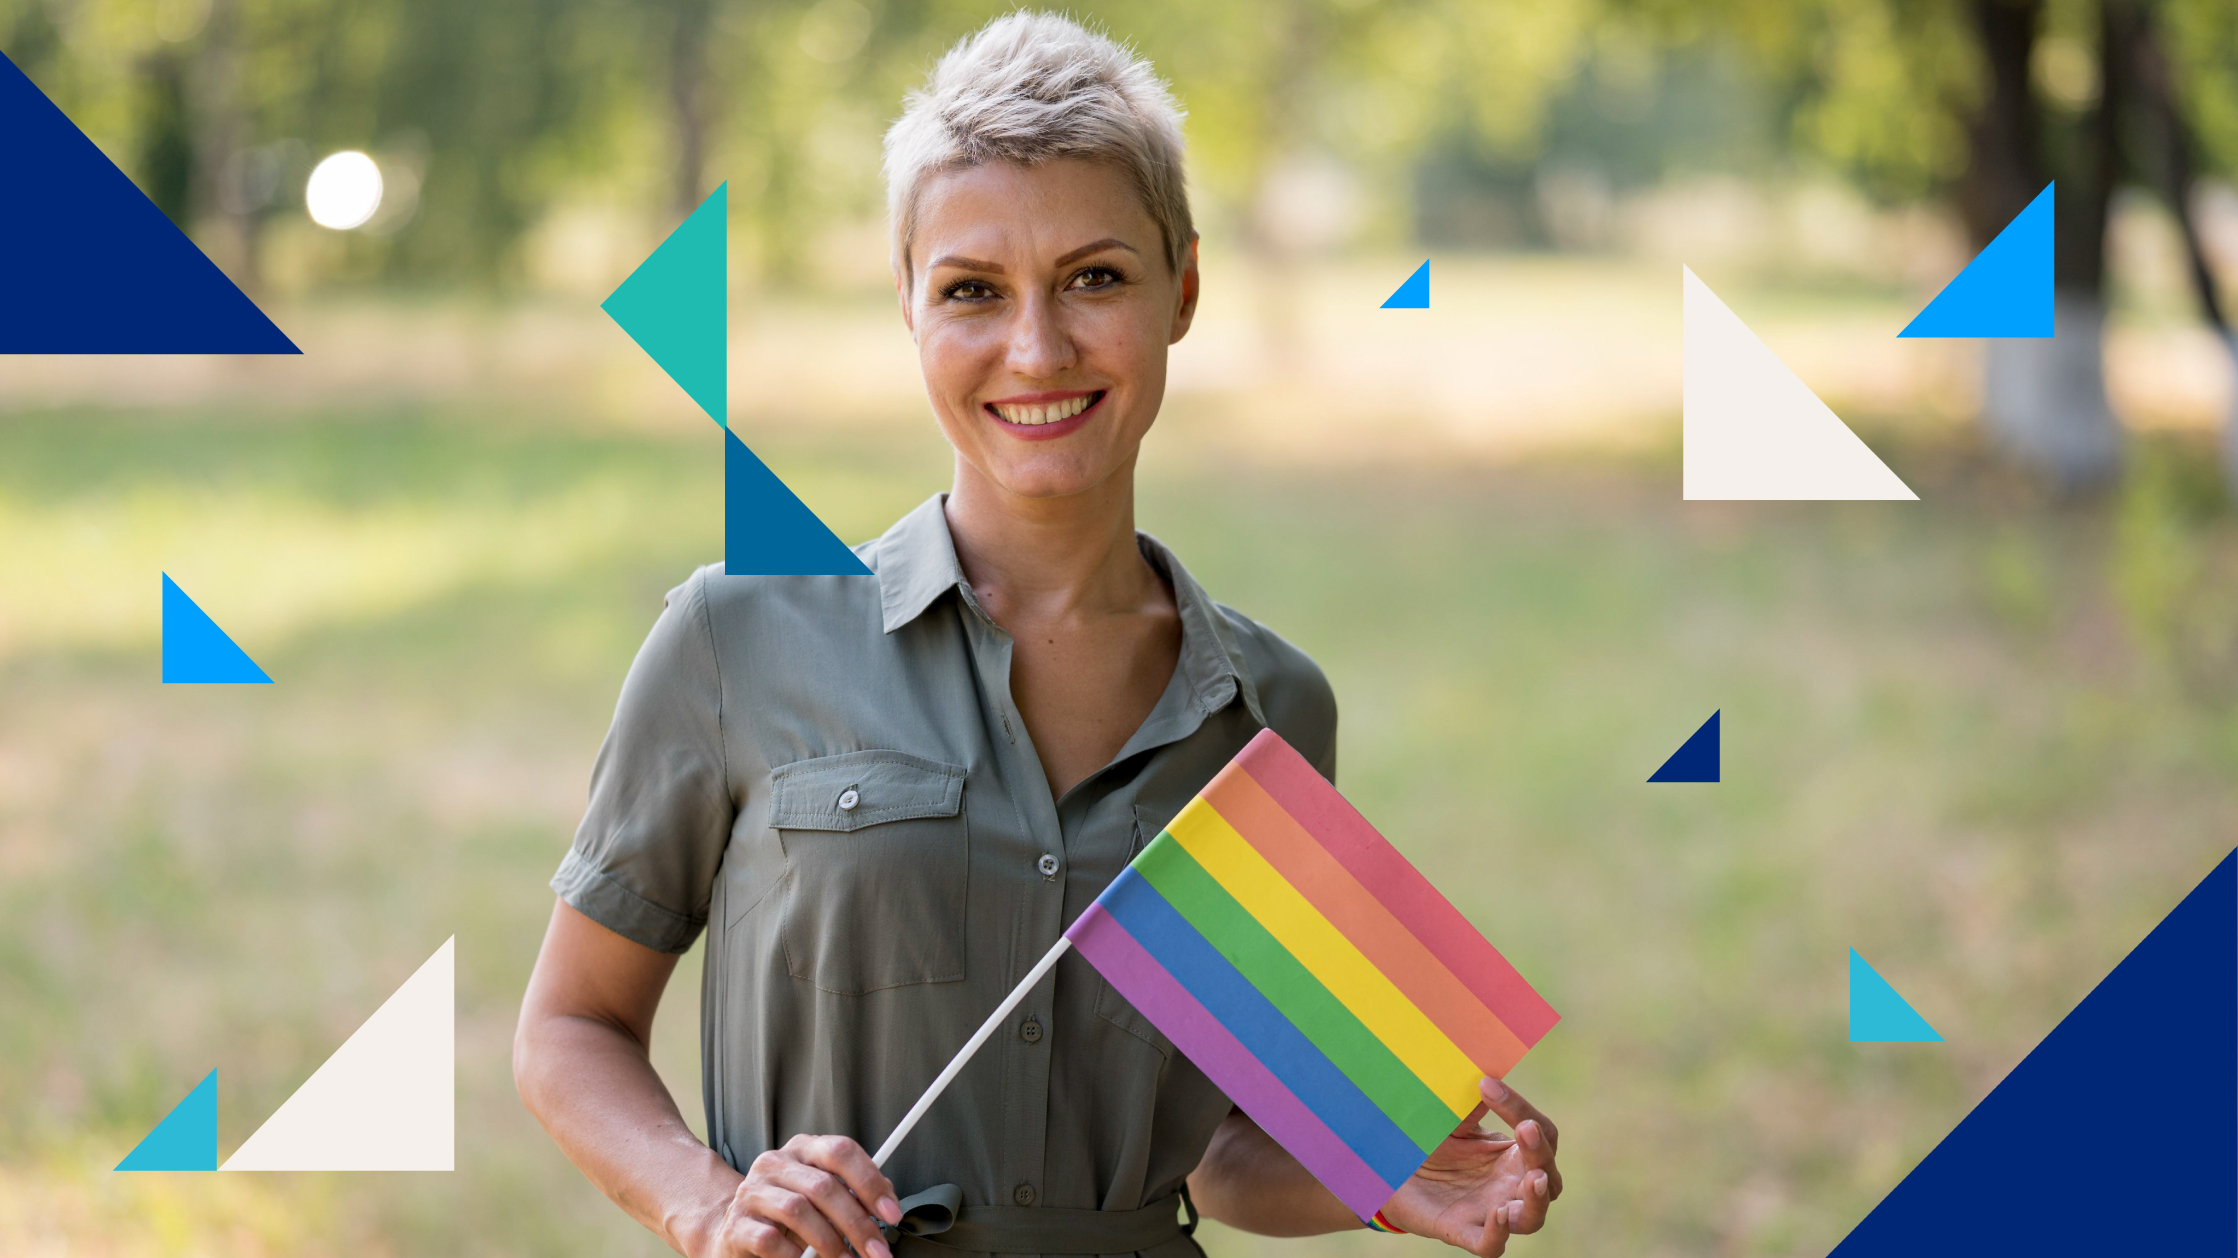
<point x="1294" y="694"/>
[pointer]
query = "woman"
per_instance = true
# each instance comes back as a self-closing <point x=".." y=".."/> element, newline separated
<point x="884" y="797"/>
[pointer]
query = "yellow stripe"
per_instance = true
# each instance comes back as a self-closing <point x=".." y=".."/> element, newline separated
<point x="1330" y="957"/>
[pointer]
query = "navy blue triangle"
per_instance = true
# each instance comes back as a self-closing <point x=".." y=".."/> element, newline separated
<point x="768" y="531"/>
<point x="1697" y="760"/>
<point x="2146" y="1066"/>
<point x="93" y="267"/>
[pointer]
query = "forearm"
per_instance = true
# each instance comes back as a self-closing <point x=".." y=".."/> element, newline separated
<point x="1248" y="1181"/>
<point x="594" y="1088"/>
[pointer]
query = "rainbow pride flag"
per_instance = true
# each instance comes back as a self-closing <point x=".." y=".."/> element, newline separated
<point x="1312" y="973"/>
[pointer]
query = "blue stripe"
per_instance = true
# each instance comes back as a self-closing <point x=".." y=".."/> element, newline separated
<point x="1259" y="1026"/>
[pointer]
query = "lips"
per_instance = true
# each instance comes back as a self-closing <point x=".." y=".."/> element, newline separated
<point x="1046" y="416"/>
<point x="1034" y="412"/>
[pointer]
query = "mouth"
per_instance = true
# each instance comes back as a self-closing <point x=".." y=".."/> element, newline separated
<point x="1040" y="416"/>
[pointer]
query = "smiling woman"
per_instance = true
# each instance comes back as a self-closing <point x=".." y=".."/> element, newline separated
<point x="881" y="797"/>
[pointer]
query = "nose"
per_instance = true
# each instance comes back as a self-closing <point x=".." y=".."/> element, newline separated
<point x="1040" y="346"/>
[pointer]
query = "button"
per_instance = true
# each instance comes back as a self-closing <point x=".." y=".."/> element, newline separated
<point x="1047" y="865"/>
<point x="1030" y="1031"/>
<point x="1023" y="1194"/>
<point x="849" y="798"/>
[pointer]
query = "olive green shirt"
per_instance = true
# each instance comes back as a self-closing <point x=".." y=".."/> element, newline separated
<point x="829" y="773"/>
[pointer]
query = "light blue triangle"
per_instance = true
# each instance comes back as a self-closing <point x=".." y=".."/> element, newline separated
<point x="186" y="1139"/>
<point x="1414" y="294"/>
<point x="196" y="650"/>
<point x="1877" y="1014"/>
<point x="2006" y="290"/>
<point x="674" y="305"/>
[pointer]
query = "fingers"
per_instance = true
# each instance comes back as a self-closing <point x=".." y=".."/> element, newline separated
<point x="1527" y="1214"/>
<point x="1492" y="1241"/>
<point x="808" y="1206"/>
<point x="1514" y="1110"/>
<point x="847" y="1160"/>
<point x="816" y="1206"/>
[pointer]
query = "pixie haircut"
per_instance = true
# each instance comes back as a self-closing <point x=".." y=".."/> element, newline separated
<point x="1028" y="88"/>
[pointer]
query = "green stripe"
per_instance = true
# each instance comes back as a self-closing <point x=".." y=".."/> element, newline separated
<point x="1295" y="992"/>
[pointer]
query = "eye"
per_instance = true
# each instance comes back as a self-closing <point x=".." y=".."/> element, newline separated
<point x="967" y="290"/>
<point x="1094" y="277"/>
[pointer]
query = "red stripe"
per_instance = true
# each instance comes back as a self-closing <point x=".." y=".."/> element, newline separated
<point x="1308" y="797"/>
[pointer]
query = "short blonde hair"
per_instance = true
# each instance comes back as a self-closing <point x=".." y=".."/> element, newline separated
<point x="1030" y="87"/>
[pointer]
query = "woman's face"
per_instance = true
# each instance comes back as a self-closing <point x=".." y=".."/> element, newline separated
<point x="1042" y="306"/>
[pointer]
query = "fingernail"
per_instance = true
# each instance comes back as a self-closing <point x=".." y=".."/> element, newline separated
<point x="1538" y="1183"/>
<point x="889" y="1209"/>
<point x="878" y="1249"/>
<point x="1494" y="1090"/>
<point x="1528" y="1133"/>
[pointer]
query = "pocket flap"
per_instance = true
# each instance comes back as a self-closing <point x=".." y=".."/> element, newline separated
<point x="862" y="788"/>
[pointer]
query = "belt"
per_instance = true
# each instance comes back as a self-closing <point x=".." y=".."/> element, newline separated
<point x="938" y="1216"/>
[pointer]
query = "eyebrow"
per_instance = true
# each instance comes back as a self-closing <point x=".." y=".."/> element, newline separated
<point x="995" y="268"/>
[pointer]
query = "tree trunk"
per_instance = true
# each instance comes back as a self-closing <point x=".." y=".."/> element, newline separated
<point x="688" y="99"/>
<point x="2044" y="400"/>
<point x="2174" y="167"/>
<point x="221" y="129"/>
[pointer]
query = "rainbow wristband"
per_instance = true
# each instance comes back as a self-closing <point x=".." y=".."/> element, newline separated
<point x="1381" y="1224"/>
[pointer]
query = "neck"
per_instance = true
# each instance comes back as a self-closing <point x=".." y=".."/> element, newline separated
<point x="1076" y="553"/>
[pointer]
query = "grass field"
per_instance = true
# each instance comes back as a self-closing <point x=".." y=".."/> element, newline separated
<point x="1984" y="740"/>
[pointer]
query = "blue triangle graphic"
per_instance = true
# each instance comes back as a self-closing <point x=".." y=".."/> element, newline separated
<point x="768" y="531"/>
<point x="195" y="649"/>
<point x="675" y="304"/>
<point x="186" y="1139"/>
<point x="1877" y="1014"/>
<point x="93" y="267"/>
<point x="1412" y="295"/>
<point x="2162" y="1031"/>
<point x="2006" y="290"/>
<point x="1697" y="760"/>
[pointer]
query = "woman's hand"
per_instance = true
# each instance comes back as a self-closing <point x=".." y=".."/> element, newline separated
<point x="1478" y="1189"/>
<point x="810" y="1194"/>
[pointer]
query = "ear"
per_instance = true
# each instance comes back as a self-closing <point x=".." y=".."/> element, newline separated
<point x="901" y="295"/>
<point x="1185" y="305"/>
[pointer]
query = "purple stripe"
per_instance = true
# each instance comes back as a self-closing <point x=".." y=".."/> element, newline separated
<point x="1127" y="966"/>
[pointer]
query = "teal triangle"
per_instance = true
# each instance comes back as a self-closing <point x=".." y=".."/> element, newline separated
<point x="195" y="649"/>
<point x="186" y="1139"/>
<point x="674" y="305"/>
<point x="1412" y="295"/>
<point x="1877" y="1014"/>
<point x="2006" y="290"/>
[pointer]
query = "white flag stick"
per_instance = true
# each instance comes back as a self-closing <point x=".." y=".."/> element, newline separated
<point x="979" y="1037"/>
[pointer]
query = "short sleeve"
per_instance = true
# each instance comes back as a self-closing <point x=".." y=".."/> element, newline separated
<point x="1293" y="692"/>
<point x="645" y="857"/>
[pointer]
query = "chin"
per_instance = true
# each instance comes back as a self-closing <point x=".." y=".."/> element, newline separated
<point x="1051" y="478"/>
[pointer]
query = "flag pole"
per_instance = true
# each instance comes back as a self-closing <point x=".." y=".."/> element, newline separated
<point x="979" y="1037"/>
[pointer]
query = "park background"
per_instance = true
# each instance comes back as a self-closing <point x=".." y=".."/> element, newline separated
<point x="1987" y="739"/>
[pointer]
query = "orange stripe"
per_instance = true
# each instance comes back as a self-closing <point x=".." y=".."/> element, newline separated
<point x="1355" y="912"/>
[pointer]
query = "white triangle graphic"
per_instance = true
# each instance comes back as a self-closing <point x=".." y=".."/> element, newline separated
<point x="1752" y="429"/>
<point x="384" y="1100"/>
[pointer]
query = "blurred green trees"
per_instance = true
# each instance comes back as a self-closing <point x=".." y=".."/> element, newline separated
<point x="499" y="110"/>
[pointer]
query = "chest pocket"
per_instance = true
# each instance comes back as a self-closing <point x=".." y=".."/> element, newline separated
<point x="877" y="858"/>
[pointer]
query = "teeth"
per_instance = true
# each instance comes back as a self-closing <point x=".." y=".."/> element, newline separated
<point x="1035" y="416"/>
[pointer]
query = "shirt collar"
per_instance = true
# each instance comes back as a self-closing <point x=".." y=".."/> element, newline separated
<point x="916" y="564"/>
